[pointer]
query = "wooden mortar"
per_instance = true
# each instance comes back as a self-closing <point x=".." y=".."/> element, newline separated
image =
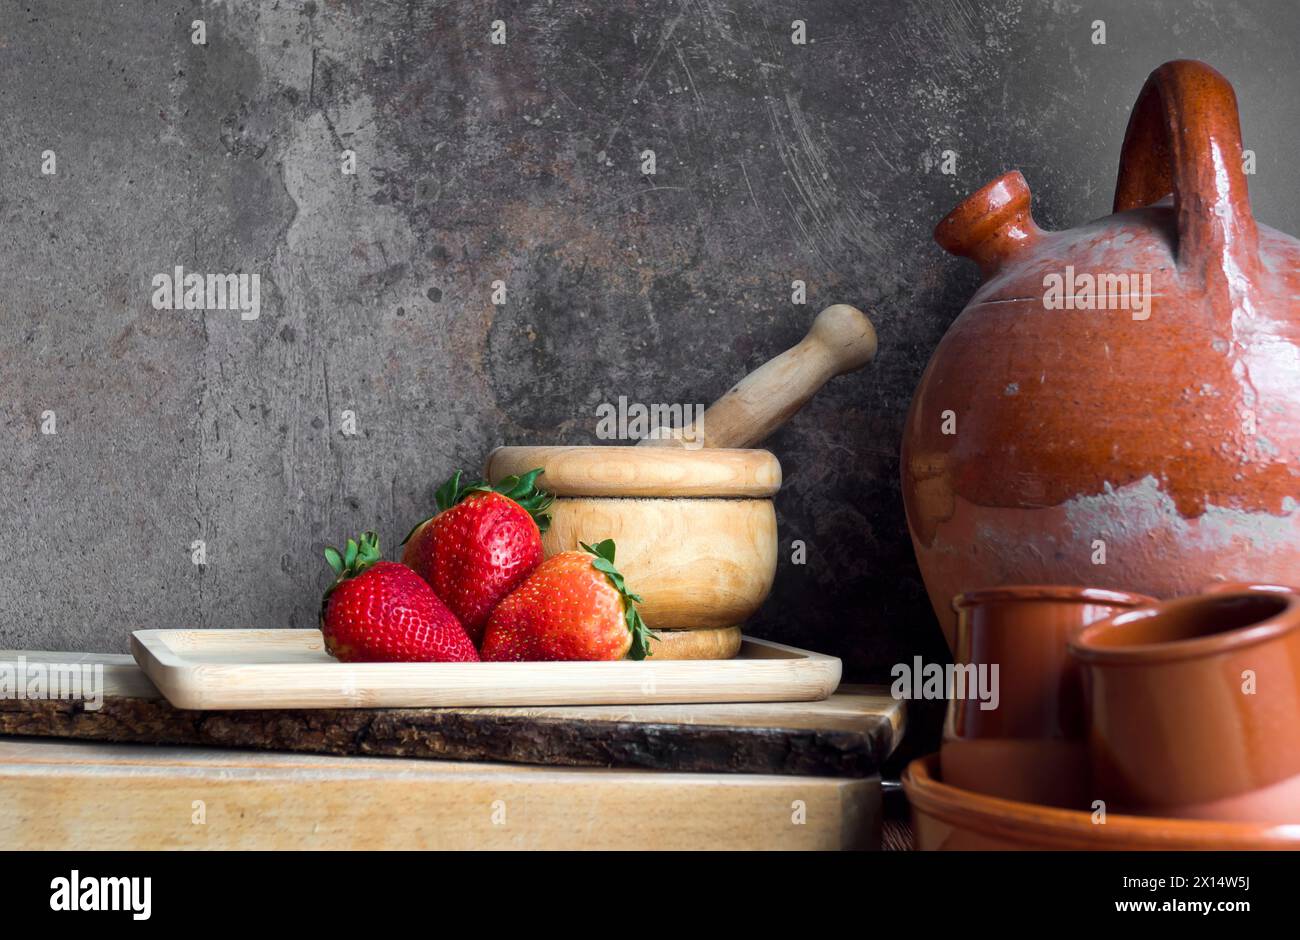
<point x="695" y="528"/>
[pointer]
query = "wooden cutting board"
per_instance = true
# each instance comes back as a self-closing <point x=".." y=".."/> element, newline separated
<point x="232" y="669"/>
<point x="849" y="734"/>
<point x="84" y="796"/>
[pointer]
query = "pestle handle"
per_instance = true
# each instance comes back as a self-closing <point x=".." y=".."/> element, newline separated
<point x="840" y="340"/>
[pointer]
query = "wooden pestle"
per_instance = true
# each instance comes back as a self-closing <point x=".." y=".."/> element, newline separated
<point x="840" y="340"/>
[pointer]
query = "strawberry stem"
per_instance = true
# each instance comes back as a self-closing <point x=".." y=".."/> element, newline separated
<point x="522" y="489"/>
<point x="356" y="557"/>
<point x="641" y="633"/>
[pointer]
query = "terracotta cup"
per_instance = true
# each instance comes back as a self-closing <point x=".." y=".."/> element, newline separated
<point x="1236" y="587"/>
<point x="1031" y="746"/>
<point x="1194" y="707"/>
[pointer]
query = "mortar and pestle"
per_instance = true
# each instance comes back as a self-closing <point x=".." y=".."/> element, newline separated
<point x="691" y="512"/>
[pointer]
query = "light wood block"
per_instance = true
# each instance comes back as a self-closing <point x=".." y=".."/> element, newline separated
<point x="81" y="796"/>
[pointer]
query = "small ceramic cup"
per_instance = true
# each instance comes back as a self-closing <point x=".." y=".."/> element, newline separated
<point x="1016" y="729"/>
<point x="1237" y="587"/>
<point x="1194" y="707"/>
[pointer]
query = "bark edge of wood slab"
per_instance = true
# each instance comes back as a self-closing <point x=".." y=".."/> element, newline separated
<point x="849" y="734"/>
<point x="840" y="340"/>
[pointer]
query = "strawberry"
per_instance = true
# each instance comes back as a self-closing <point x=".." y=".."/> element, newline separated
<point x="382" y="612"/>
<point x="574" y="606"/>
<point x="482" y="543"/>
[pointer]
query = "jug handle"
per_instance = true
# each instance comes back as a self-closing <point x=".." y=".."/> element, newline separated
<point x="1184" y="137"/>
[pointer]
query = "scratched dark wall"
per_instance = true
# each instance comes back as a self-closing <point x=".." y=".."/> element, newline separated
<point x="519" y="163"/>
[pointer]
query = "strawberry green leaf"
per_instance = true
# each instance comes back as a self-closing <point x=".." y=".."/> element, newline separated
<point x="641" y="633"/>
<point x="522" y="489"/>
<point x="368" y="550"/>
<point x="355" y="558"/>
<point x="416" y="528"/>
<point x="449" y="494"/>
<point x="603" y="550"/>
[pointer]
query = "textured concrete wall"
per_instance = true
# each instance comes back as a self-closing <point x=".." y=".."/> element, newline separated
<point x="519" y="163"/>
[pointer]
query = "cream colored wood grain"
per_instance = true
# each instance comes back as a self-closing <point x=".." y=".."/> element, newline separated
<point x="56" y="795"/>
<point x="631" y="471"/>
<point x="695" y="529"/>
<point x="217" y="669"/>
<point x="720" y="643"/>
<point x="697" y="563"/>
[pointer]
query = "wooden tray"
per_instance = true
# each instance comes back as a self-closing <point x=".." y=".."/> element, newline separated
<point x="229" y="669"/>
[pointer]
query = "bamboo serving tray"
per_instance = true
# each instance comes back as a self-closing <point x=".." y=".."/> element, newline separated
<point x="236" y="669"/>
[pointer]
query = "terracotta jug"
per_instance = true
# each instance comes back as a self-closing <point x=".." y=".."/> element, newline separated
<point x="1150" y="445"/>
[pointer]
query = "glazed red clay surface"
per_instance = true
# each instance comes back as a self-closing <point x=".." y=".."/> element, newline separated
<point x="1194" y="707"/>
<point x="1174" y="439"/>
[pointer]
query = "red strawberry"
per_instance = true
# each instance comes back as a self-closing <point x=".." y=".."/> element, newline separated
<point x="382" y="612"/>
<point x="574" y="606"/>
<point x="484" y="541"/>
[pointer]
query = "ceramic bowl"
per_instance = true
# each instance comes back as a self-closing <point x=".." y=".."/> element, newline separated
<point x="945" y="817"/>
<point x="1194" y="707"/>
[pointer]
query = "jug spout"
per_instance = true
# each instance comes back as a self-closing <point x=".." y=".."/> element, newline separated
<point x="992" y="224"/>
